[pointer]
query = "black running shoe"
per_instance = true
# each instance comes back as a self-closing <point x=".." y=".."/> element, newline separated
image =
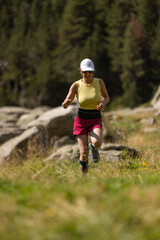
<point x="83" y="167"/>
<point x="95" y="154"/>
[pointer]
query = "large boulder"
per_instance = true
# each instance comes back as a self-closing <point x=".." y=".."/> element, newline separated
<point x="108" y="152"/>
<point x="15" y="119"/>
<point x="15" y="144"/>
<point x="58" y="121"/>
<point x="31" y="115"/>
<point x="11" y="114"/>
<point x="8" y="131"/>
<point x="8" y="123"/>
<point x="128" y="112"/>
<point x="32" y="140"/>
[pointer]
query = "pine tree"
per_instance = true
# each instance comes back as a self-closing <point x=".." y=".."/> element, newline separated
<point x="147" y="16"/>
<point x="155" y="57"/>
<point x="95" y="44"/>
<point x="76" y="27"/>
<point x="132" y="70"/>
<point x="117" y="19"/>
<point x="43" y="41"/>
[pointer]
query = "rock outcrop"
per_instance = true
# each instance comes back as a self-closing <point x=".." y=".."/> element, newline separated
<point x="57" y="122"/>
<point x="156" y="99"/>
<point x="8" y="122"/>
<point x="14" y="120"/>
<point x="16" y="144"/>
<point x="19" y="126"/>
<point x="31" y="115"/>
<point x="108" y="152"/>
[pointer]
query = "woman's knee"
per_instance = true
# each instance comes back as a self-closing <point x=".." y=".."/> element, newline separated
<point x="97" y="142"/>
<point x="96" y="137"/>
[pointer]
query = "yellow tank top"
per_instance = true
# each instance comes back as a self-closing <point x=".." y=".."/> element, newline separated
<point x="88" y="95"/>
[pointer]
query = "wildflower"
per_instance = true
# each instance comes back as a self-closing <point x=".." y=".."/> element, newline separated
<point x="147" y="168"/>
<point x="159" y="172"/>
<point x="144" y="164"/>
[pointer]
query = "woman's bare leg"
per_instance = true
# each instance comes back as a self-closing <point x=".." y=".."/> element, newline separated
<point x="96" y="137"/>
<point x="83" y="147"/>
<point x="96" y="141"/>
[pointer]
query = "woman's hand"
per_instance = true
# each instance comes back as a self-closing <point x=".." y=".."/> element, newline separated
<point x="101" y="106"/>
<point x="66" y="103"/>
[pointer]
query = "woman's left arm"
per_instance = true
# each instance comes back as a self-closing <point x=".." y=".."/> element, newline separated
<point x="105" y="96"/>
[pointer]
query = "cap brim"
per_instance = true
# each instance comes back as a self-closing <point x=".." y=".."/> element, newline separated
<point x="88" y="69"/>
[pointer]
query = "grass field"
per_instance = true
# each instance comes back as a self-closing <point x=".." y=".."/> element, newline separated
<point x="53" y="201"/>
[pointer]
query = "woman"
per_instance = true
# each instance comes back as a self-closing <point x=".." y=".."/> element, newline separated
<point x="92" y="97"/>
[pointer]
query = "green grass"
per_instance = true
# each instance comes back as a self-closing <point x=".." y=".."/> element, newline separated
<point x="53" y="201"/>
<point x="114" y="201"/>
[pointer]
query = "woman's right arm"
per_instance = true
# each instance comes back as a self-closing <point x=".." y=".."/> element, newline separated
<point x="70" y="96"/>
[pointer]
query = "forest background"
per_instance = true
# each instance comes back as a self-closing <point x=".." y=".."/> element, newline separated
<point x="43" y="41"/>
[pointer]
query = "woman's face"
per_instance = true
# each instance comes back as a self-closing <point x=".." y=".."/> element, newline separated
<point x="87" y="74"/>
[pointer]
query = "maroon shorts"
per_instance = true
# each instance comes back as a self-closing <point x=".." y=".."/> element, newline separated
<point x="85" y="126"/>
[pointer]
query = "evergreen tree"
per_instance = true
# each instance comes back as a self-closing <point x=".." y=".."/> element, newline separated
<point x="155" y="57"/>
<point x="95" y="44"/>
<point x="29" y="52"/>
<point x="147" y="16"/>
<point x="117" y="19"/>
<point x="132" y="70"/>
<point x="76" y="27"/>
<point x="82" y="34"/>
<point x="43" y="41"/>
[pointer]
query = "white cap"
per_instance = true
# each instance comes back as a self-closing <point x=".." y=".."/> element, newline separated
<point x="87" y="65"/>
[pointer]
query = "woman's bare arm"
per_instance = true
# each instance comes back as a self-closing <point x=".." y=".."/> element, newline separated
<point x="70" y="96"/>
<point x="105" y="96"/>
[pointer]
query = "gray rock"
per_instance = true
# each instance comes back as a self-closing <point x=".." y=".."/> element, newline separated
<point x="151" y="129"/>
<point x="16" y="143"/>
<point x="111" y="155"/>
<point x="149" y="121"/>
<point x="58" y="121"/>
<point x="63" y="141"/>
<point x="8" y="122"/>
<point x="55" y="122"/>
<point x="32" y="140"/>
<point x="33" y="114"/>
<point x="8" y="131"/>
<point x="108" y="152"/>
<point x="10" y="110"/>
<point x="15" y="119"/>
<point x="11" y="114"/>
<point x="115" y="115"/>
<point x="68" y="151"/>
<point x="140" y="110"/>
<point x="157" y="114"/>
<point x="156" y="99"/>
<point x="157" y="105"/>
